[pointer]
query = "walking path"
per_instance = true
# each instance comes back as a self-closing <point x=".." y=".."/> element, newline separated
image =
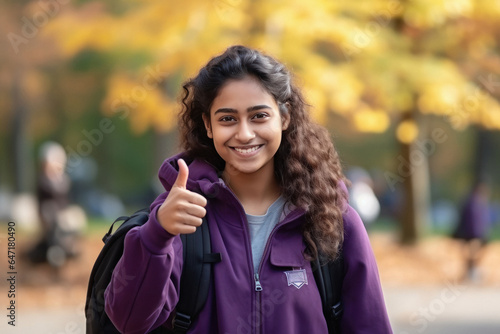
<point x="451" y="308"/>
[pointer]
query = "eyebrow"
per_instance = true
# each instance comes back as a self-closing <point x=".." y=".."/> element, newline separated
<point x="234" y="111"/>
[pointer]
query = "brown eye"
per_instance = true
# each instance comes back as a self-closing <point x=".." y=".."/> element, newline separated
<point x="261" y="115"/>
<point x="226" y="119"/>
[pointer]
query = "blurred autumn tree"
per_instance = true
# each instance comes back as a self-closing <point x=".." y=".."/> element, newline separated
<point x="374" y="62"/>
<point x="13" y="93"/>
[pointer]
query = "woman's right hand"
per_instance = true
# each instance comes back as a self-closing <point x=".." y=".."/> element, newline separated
<point x="183" y="210"/>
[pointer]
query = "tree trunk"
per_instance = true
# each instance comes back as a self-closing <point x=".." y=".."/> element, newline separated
<point x="22" y="168"/>
<point x="414" y="165"/>
<point x="483" y="149"/>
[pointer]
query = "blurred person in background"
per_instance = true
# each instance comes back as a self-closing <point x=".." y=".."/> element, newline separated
<point x="361" y="195"/>
<point x="61" y="223"/>
<point x="473" y="227"/>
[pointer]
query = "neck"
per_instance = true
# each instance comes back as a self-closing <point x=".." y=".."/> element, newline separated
<point x="256" y="191"/>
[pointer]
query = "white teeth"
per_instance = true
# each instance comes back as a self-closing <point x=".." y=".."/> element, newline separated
<point x="247" y="150"/>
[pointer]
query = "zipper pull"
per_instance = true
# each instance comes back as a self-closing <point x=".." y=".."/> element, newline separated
<point x="258" y="286"/>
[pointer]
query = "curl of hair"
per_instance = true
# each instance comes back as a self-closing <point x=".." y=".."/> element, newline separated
<point x="307" y="165"/>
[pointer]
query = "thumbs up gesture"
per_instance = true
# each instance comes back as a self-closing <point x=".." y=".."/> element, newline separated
<point x="183" y="210"/>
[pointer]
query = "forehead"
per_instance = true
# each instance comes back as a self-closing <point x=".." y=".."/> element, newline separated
<point x="240" y="94"/>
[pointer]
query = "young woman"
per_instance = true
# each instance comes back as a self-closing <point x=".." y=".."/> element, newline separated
<point x="269" y="183"/>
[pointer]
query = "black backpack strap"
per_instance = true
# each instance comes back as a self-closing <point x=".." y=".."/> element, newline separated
<point x="329" y="278"/>
<point x="196" y="276"/>
<point x="140" y="215"/>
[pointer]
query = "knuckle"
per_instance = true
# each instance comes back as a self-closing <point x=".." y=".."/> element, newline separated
<point x="181" y="206"/>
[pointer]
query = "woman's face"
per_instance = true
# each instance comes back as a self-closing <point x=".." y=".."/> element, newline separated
<point x="246" y="126"/>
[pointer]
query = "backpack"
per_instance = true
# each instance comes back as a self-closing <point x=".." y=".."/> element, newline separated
<point x="196" y="274"/>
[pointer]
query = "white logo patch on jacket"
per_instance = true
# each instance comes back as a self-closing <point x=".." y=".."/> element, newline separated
<point x="296" y="277"/>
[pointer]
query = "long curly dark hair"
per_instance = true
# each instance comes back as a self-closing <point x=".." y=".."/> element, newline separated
<point x="307" y="165"/>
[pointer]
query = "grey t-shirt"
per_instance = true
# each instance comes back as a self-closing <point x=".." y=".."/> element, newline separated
<point x="260" y="228"/>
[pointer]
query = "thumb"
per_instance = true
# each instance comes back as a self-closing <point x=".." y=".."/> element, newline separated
<point x="182" y="177"/>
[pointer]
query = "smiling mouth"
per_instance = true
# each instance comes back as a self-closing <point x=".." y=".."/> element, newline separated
<point x="247" y="150"/>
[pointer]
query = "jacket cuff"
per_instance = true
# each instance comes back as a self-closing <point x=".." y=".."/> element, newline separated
<point x="154" y="237"/>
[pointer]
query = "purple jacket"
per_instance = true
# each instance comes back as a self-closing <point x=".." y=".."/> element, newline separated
<point x="145" y="285"/>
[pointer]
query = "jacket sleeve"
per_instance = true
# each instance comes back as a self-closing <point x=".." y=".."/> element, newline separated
<point x="364" y="306"/>
<point x="144" y="287"/>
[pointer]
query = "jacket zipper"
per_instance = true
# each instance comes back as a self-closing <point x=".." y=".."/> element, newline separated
<point x="258" y="285"/>
<point x="256" y="276"/>
<point x="258" y="298"/>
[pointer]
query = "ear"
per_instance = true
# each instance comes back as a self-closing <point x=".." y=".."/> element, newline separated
<point x="285" y="121"/>
<point x="208" y="126"/>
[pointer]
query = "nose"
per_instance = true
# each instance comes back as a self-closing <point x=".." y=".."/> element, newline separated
<point x="245" y="132"/>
